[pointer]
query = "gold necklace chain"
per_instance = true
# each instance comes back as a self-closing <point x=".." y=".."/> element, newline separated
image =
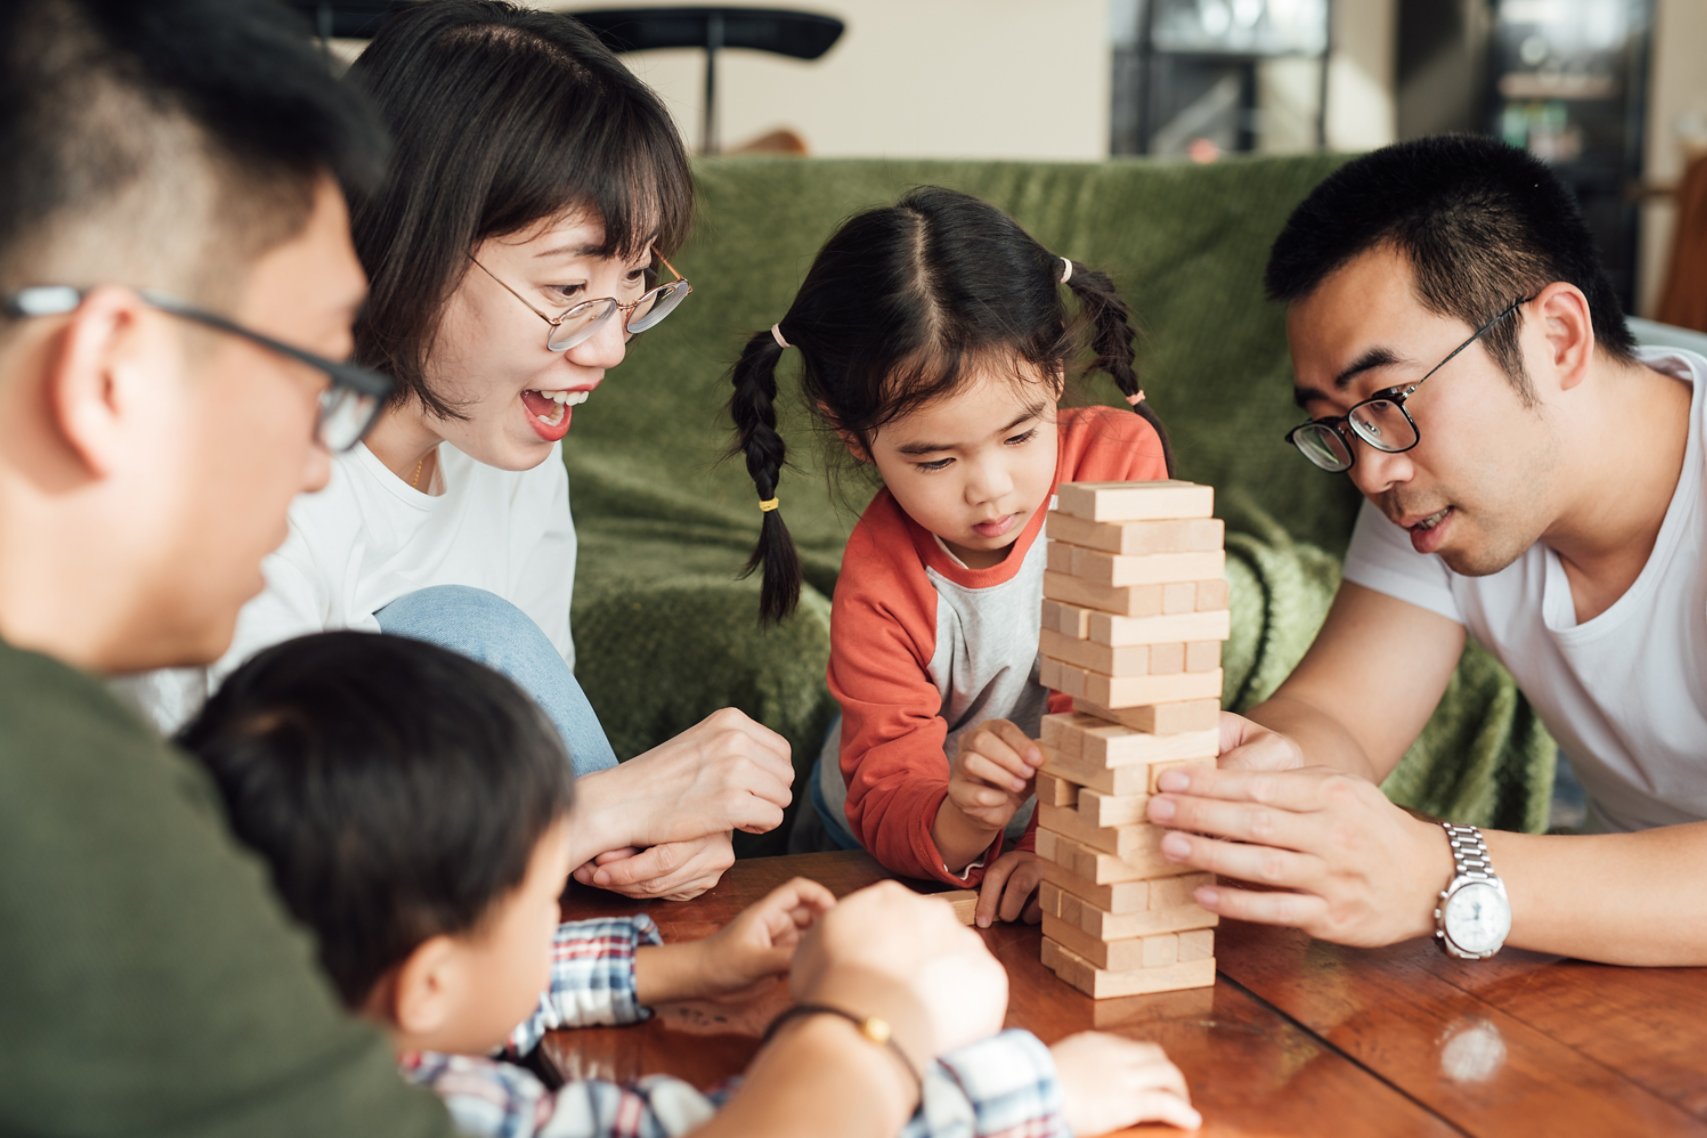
<point x="415" y="478"/>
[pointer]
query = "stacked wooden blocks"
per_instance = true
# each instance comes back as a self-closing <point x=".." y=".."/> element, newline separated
<point x="1134" y="614"/>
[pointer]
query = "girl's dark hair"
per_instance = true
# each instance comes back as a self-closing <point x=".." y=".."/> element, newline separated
<point x="903" y="306"/>
<point x="503" y="117"/>
<point x="395" y="789"/>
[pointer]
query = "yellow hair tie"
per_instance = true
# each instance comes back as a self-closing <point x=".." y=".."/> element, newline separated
<point x="769" y="504"/>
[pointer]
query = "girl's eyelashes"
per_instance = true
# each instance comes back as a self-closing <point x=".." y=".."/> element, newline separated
<point x="1022" y="438"/>
<point x="934" y="464"/>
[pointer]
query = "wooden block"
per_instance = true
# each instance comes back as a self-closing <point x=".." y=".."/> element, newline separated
<point x="1174" y="892"/>
<point x="1122" y="841"/>
<point x="1057" y="731"/>
<point x="1093" y="566"/>
<point x="1058" y="557"/>
<point x="1204" y="656"/>
<point x="1132" y="600"/>
<point x="1103" y="983"/>
<point x="1212" y="595"/>
<point x="1052" y="674"/>
<point x="1068" y="620"/>
<point x="1166" y="659"/>
<point x="1130" y="660"/>
<point x="1197" y="944"/>
<point x="1056" y="792"/>
<point x="1121" y="955"/>
<point x="1099" y="868"/>
<point x="1101" y="809"/>
<point x="1198" y="535"/>
<point x="1180" y="628"/>
<point x="1133" y="691"/>
<point x="1179" y="598"/>
<point x="1119" y="897"/>
<point x="1121" y="782"/>
<point x="1160" y="718"/>
<point x="1135" y="501"/>
<point x="1157" y="770"/>
<point x="964" y="902"/>
<point x="1115" y="746"/>
<point x="1123" y="926"/>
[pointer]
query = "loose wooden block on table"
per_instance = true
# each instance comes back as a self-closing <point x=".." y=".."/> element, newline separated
<point x="1134" y="501"/>
<point x="964" y="902"/>
<point x="1101" y="983"/>
<point x="1194" y="535"/>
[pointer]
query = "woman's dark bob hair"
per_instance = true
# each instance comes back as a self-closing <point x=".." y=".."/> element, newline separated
<point x="503" y="118"/>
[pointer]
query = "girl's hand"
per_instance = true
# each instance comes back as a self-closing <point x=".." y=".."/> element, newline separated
<point x="993" y="773"/>
<point x="1110" y="1083"/>
<point x="760" y="942"/>
<point x="1009" y="892"/>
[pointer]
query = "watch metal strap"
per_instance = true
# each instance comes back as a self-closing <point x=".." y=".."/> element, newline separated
<point x="1469" y="853"/>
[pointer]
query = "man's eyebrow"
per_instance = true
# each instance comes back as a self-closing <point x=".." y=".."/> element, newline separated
<point x="1368" y="361"/>
<point x="912" y="449"/>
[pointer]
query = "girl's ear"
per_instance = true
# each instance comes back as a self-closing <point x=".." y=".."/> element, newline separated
<point x="850" y="440"/>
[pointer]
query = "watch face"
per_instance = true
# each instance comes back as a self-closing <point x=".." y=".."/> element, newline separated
<point x="1477" y="917"/>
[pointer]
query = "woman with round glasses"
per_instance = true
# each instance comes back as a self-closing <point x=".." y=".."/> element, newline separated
<point x="520" y="241"/>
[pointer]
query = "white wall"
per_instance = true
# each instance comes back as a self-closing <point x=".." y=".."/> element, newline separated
<point x="1024" y="79"/>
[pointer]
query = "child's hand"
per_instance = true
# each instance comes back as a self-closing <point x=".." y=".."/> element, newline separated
<point x="1110" y="1083"/>
<point x="1009" y="892"/>
<point x="760" y="942"/>
<point x="992" y="773"/>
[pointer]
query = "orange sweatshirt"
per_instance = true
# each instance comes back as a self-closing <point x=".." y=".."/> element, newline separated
<point x="923" y="648"/>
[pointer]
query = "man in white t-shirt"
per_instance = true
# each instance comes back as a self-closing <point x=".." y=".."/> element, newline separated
<point x="1532" y="479"/>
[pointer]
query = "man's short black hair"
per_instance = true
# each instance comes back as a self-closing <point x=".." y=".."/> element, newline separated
<point x="165" y="143"/>
<point x="396" y="790"/>
<point x="1481" y="223"/>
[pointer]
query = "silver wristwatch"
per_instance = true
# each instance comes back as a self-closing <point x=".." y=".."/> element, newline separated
<point x="1474" y="914"/>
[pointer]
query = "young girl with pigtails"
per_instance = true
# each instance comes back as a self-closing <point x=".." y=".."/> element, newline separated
<point x="935" y="339"/>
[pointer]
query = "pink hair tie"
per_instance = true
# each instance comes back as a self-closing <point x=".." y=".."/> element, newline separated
<point x="776" y="334"/>
<point x="1136" y="397"/>
<point x="1066" y="270"/>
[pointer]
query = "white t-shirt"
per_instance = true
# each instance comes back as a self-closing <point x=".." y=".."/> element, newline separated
<point x="369" y="538"/>
<point x="1625" y="693"/>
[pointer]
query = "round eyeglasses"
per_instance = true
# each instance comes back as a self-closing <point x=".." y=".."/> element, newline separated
<point x="1381" y="420"/>
<point x="580" y="323"/>
<point x="349" y="405"/>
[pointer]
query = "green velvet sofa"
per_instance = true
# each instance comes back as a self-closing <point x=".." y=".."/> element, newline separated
<point x="666" y="633"/>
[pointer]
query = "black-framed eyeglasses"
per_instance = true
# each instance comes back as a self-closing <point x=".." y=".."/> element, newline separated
<point x="349" y="406"/>
<point x="1381" y="420"/>
<point x="577" y="325"/>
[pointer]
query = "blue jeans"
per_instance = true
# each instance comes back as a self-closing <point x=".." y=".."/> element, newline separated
<point x="491" y="630"/>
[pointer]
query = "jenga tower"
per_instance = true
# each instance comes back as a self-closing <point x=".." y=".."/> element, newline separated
<point x="1134" y="614"/>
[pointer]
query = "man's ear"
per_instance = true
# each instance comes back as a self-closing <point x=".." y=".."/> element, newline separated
<point x="420" y="993"/>
<point x="97" y="377"/>
<point x="1567" y="325"/>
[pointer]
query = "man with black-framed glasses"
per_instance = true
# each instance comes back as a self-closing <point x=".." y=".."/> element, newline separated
<point x="1531" y="478"/>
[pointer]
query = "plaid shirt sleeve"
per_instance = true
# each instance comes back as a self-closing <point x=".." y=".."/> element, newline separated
<point x="489" y="1098"/>
<point x="592" y="978"/>
<point x="1001" y="1087"/>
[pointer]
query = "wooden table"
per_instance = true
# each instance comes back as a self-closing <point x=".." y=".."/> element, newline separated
<point x="1296" y="1037"/>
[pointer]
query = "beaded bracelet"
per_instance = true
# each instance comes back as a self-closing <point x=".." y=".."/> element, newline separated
<point x="874" y="1029"/>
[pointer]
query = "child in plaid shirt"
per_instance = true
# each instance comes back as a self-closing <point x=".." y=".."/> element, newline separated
<point x="413" y="808"/>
